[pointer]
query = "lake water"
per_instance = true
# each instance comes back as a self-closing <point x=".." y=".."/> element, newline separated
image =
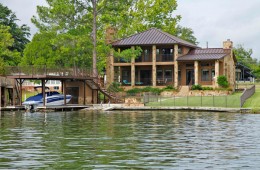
<point x="130" y="139"/>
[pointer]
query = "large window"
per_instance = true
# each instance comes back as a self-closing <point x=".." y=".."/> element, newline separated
<point x="205" y="75"/>
<point x="167" y="54"/>
<point x="126" y="75"/>
<point x="147" y="53"/>
<point x="159" y="74"/>
<point x="168" y="75"/>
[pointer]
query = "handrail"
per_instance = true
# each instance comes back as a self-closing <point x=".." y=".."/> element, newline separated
<point x="35" y="71"/>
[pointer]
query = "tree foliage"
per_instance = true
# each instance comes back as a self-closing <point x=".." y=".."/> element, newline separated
<point x="7" y="56"/>
<point x="244" y="56"/>
<point x="20" y="34"/>
<point x="70" y="25"/>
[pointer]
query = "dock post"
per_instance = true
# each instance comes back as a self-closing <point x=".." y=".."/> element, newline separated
<point x="64" y="91"/>
<point x="84" y="100"/>
<point x="43" y="92"/>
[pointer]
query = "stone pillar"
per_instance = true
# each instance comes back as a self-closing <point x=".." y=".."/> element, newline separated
<point x="176" y="74"/>
<point x="110" y="68"/>
<point x="196" y="72"/>
<point x="216" y="73"/>
<point x="133" y="70"/>
<point x="176" y="66"/>
<point x="175" y="55"/>
<point x="154" y="66"/>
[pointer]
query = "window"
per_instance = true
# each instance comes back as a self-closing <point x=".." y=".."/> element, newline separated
<point x="159" y="74"/>
<point x="205" y="75"/>
<point x="167" y="54"/>
<point x="147" y="54"/>
<point x="179" y="50"/>
<point x="168" y="75"/>
<point x="212" y="74"/>
<point x="56" y="87"/>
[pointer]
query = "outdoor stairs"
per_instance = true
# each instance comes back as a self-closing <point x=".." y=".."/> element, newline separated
<point x="109" y="93"/>
<point x="184" y="91"/>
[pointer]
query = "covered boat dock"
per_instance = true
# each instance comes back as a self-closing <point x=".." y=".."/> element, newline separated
<point x="44" y="74"/>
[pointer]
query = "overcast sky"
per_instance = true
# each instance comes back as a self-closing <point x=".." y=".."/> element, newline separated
<point x="212" y="21"/>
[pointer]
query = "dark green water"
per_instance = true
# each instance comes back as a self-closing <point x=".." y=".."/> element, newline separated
<point x="122" y="140"/>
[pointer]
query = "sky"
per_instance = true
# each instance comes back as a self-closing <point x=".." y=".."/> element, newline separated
<point x="213" y="21"/>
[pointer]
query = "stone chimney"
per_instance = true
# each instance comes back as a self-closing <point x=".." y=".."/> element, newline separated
<point x="110" y="35"/>
<point x="228" y="44"/>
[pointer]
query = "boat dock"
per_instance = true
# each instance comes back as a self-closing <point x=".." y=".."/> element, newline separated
<point x="48" y="108"/>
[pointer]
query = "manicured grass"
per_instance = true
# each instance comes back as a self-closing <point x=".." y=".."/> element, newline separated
<point x="254" y="101"/>
<point x="231" y="101"/>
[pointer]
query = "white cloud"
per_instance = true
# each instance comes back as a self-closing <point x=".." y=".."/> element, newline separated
<point x="217" y="20"/>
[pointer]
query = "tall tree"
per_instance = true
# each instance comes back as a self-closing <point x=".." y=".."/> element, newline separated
<point x="7" y="56"/>
<point x="92" y="17"/>
<point x="244" y="56"/>
<point x="20" y="34"/>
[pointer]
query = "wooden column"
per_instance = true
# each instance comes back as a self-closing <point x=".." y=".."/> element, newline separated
<point x="13" y="94"/>
<point x="196" y="72"/>
<point x="133" y="70"/>
<point x="154" y="66"/>
<point x="216" y="73"/>
<point x="64" y="91"/>
<point x="176" y="66"/>
<point x="84" y="100"/>
<point x="43" y="92"/>
<point x="21" y="91"/>
<point x="0" y="95"/>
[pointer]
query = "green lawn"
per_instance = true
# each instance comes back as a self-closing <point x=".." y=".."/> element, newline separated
<point x="231" y="101"/>
<point x="254" y="101"/>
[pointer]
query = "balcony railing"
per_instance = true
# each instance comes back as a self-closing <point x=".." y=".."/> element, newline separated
<point x="164" y="58"/>
<point x="36" y="71"/>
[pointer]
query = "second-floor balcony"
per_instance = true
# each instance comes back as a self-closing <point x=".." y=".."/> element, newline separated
<point x="164" y="58"/>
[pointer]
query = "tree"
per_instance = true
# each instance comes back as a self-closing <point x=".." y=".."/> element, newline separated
<point x="244" y="56"/>
<point x="7" y="57"/>
<point x="92" y="17"/>
<point x="20" y="34"/>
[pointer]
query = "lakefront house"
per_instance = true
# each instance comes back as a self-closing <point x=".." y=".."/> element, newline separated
<point x="169" y="60"/>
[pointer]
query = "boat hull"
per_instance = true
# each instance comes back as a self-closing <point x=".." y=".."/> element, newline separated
<point x="50" y="100"/>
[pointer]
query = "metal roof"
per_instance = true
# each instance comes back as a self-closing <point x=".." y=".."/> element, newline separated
<point x="205" y="54"/>
<point x="152" y="36"/>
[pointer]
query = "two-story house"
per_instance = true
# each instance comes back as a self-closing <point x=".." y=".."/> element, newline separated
<point x="168" y="60"/>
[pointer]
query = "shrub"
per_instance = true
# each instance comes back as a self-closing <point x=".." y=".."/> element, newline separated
<point x="168" y="88"/>
<point x="207" y="88"/>
<point x="156" y="90"/>
<point x="196" y="87"/>
<point x="133" y="91"/>
<point x="115" y="86"/>
<point x="222" y="81"/>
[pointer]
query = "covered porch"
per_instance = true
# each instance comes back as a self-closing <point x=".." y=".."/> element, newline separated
<point x="145" y="75"/>
<point x="199" y="72"/>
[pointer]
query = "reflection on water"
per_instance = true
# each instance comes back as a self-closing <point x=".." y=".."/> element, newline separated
<point x="117" y="140"/>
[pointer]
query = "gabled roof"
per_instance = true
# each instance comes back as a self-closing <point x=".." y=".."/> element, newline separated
<point x="205" y="54"/>
<point x="152" y="36"/>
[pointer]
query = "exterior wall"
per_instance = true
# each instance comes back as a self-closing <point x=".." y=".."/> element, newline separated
<point x="88" y="94"/>
<point x="225" y="66"/>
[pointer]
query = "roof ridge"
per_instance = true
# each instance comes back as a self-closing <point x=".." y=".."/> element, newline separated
<point x="173" y="36"/>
